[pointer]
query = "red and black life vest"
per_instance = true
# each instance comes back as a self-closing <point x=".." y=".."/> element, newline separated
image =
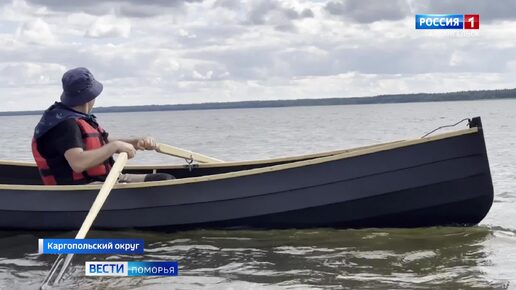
<point x="93" y="137"/>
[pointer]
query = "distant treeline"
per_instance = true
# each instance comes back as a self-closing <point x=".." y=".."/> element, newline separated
<point x="381" y="99"/>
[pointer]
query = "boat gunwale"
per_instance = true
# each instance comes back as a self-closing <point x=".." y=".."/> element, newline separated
<point x="225" y="163"/>
<point x="349" y="153"/>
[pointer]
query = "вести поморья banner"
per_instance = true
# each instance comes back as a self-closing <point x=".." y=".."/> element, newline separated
<point x="109" y="246"/>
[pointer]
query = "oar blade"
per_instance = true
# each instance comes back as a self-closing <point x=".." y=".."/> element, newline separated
<point x="88" y="221"/>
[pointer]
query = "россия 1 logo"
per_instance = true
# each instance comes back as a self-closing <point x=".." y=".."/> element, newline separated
<point x="447" y="21"/>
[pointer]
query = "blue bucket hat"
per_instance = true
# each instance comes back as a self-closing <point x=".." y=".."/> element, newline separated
<point x="79" y="87"/>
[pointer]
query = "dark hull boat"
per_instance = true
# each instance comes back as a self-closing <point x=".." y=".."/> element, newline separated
<point x="439" y="180"/>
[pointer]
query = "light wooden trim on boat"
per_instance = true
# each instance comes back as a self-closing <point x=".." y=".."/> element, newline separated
<point x="18" y="163"/>
<point x="257" y="162"/>
<point x="226" y="163"/>
<point x="388" y="146"/>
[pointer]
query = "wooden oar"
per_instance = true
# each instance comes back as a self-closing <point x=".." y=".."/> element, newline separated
<point x="178" y="152"/>
<point x="90" y="218"/>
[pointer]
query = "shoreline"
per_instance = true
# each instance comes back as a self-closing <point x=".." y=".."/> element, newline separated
<point x="381" y="99"/>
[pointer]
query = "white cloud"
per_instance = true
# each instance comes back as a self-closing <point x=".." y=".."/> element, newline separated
<point x="37" y="32"/>
<point x="207" y="76"/>
<point x="109" y="26"/>
<point x="186" y="34"/>
<point x="26" y="73"/>
<point x="512" y="66"/>
<point x="456" y="58"/>
<point x="165" y="64"/>
<point x="19" y="10"/>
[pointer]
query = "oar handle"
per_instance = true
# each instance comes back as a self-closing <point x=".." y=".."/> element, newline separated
<point x="182" y="153"/>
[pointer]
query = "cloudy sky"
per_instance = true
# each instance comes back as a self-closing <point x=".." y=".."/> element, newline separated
<point x="193" y="51"/>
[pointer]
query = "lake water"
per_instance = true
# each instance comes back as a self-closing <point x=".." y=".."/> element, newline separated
<point x="481" y="257"/>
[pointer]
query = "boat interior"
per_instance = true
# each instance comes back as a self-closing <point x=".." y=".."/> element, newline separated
<point x="26" y="173"/>
<point x="14" y="173"/>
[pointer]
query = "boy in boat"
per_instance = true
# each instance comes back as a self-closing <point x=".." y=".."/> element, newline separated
<point x="70" y="147"/>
